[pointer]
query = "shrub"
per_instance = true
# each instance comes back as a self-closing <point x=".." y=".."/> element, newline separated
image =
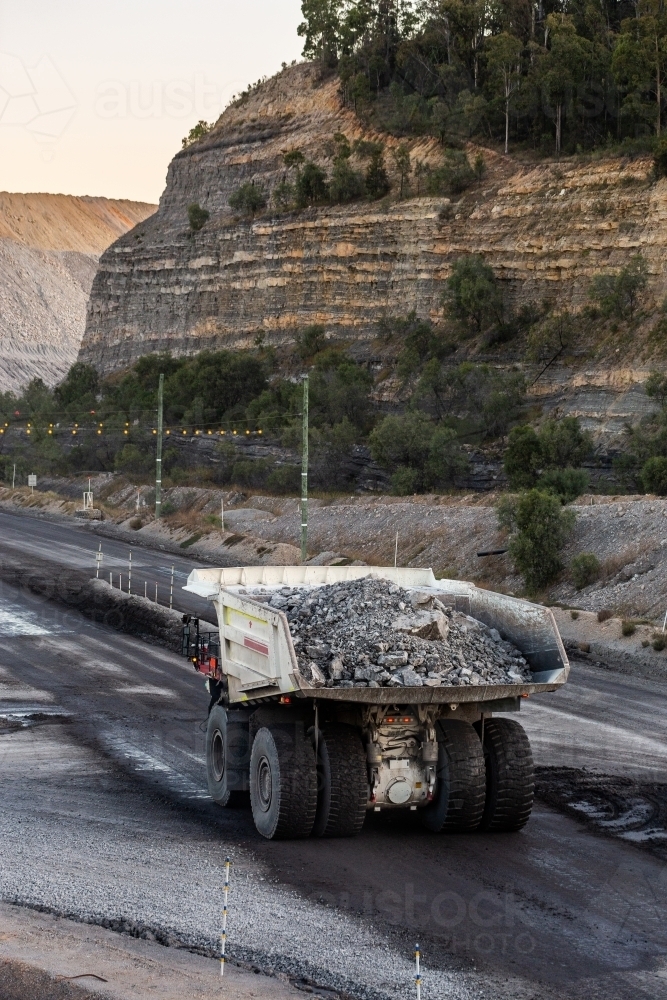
<point x="453" y="177"/>
<point x="618" y="294"/>
<point x="168" y="508"/>
<point x="284" y="479"/>
<point x="574" y="615"/>
<point x="539" y="527"/>
<point x="405" y="481"/>
<point x="566" y="484"/>
<point x="131" y="459"/>
<point x="311" y="185"/>
<point x="659" y="641"/>
<point x="628" y="628"/>
<point x="472" y="294"/>
<point x="564" y="444"/>
<point x="311" y="341"/>
<point x="419" y="454"/>
<point x="585" y="569"/>
<point x="653" y="476"/>
<point x="645" y="643"/>
<point x="376" y="179"/>
<point x="346" y="184"/>
<point x="660" y="157"/>
<point x="201" y="129"/>
<point x="523" y="458"/>
<point x="604" y="615"/>
<point x="136" y="523"/>
<point x="248" y="199"/>
<point x="197" y="216"/>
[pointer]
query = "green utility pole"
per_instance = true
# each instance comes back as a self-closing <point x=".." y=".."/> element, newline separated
<point x="304" y="476"/>
<point x="158" y="458"/>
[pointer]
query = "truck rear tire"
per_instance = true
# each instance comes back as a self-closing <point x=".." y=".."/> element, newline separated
<point x="283" y="781"/>
<point x="458" y="804"/>
<point x="510" y="777"/>
<point x="342" y="782"/>
<point x="227" y="758"/>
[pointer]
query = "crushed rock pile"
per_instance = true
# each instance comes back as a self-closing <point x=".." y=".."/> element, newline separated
<point x="372" y="633"/>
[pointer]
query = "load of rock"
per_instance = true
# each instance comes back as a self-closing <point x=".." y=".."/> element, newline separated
<point x="372" y="633"/>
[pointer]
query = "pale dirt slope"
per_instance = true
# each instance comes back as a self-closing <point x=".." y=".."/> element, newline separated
<point x="49" y="248"/>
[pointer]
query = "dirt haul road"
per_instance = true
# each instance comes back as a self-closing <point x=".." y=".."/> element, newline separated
<point x="106" y="818"/>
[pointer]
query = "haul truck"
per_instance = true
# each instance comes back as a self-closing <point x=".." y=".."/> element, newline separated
<point x="314" y="760"/>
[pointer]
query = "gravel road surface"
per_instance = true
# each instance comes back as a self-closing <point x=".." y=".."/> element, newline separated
<point x="106" y="819"/>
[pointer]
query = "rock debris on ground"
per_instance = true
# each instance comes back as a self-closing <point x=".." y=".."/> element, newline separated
<point x="372" y="633"/>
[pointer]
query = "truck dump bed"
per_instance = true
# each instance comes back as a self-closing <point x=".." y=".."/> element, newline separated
<point x="258" y="659"/>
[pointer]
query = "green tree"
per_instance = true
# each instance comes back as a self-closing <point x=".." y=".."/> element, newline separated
<point x="539" y="527"/>
<point x="321" y="29"/>
<point x="401" y="157"/>
<point x="376" y="179"/>
<point x="311" y="185"/>
<point x="201" y="129"/>
<point x="197" y="217"/>
<point x="523" y="458"/>
<point x="654" y="475"/>
<point x="248" y="199"/>
<point x="618" y="294"/>
<point x="79" y="389"/>
<point x="504" y="61"/>
<point x="472" y="293"/>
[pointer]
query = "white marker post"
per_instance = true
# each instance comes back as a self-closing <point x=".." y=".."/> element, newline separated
<point x="396" y="552"/>
<point x="146" y="589"/>
<point x="129" y="578"/>
<point x="98" y="562"/>
<point x="171" y="590"/>
<point x="14" y="478"/>
<point x="223" y="934"/>
<point x="418" y="978"/>
<point x="222" y="515"/>
<point x="156" y="591"/>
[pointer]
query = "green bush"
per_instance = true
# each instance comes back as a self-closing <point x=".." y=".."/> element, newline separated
<point x="548" y="458"/>
<point x="585" y="569"/>
<point x="311" y="341"/>
<point x="659" y="641"/>
<point x="201" y="129"/>
<point x="453" y="177"/>
<point x="284" y="479"/>
<point x="376" y="180"/>
<point x="628" y="628"/>
<point x="604" y="615"/>
<point x="405" y="481"/>
<point x="346" y="184"/>
<point x="654" y="475"/>
<point x="420" y="454"/>
<point x="567" y="484"/>
<point x="538" y="526"/>
<point x="472" y="294"/>
<point x="133" y="460"/>
<point x="618" y="294"/>
<point x="660" y="157"/>
<point x="197" y="216"/>
<point x="168" y="508"/>
<point x="248" y="199"/>
<point x="311" y="185"/>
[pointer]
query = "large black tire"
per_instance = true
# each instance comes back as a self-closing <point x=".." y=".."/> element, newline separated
<point x="458" y="804"/>
<point x="510" y="776"/>
<point x="342" y="782"/>
<point x="283" y="781"/>
<point x="227" y="758"/>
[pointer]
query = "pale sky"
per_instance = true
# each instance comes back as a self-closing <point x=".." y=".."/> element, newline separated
<point x="96" y="97"/>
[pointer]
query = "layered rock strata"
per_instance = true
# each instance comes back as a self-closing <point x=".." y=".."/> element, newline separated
<point x="546" y="229"/>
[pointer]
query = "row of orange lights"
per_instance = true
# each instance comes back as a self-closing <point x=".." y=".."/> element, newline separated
<point x="126" y="431"/>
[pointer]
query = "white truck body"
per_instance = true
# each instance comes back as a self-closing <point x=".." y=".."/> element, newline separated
<point x="258" y="658"/>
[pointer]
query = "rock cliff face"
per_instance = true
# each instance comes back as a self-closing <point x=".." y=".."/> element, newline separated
<point x="49" y="248"/>
<point x="546" y="229"/>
